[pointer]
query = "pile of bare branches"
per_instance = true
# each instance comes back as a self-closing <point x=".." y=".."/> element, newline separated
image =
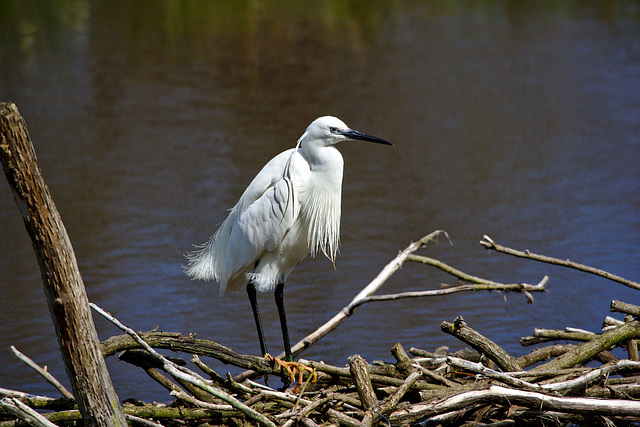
<point x="482" y="385"/>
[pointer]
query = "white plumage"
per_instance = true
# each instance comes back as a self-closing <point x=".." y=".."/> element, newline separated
<point x="290" y="209"/>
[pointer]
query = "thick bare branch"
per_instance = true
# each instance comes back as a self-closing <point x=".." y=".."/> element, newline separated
<point x="625" y="307"/>
<point x="542" y="353"/>
<point x="482" y="344"/>
<point x="63" y="285"/>
<point x="187" y="344"/>
<point x="586" y="351"/>
<point x="581" y="382"/>
<point x="360" y="373"/>
<point x="543" y="335"/>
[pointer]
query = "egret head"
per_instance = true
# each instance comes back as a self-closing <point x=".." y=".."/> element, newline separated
<point x="326" y="131"/>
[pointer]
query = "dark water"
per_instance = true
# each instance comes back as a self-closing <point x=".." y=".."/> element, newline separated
<point x="520" y="120"/>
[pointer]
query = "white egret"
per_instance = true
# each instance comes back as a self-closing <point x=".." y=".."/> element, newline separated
<point x="290" y="209"/>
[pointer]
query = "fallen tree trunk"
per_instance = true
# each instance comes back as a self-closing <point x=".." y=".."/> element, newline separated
<point x="63" y="284"/>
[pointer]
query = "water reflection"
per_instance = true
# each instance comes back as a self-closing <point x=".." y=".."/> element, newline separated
<point x="519" y="120"/>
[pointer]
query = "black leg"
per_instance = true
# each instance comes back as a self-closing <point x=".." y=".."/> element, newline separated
<point x="279" y="296"/>
<point x="251" y="291"/>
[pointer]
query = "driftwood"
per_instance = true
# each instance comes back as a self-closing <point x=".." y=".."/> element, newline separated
<point x="460" y="330"/>
<point x="425" y="388"/>
<point x="63" y="285"/>
<point x="488" y="243"/>
<point x="46" y="375"/>
<point x="401" y="393"/>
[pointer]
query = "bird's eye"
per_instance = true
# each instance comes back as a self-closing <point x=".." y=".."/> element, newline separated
<point x="333" y="129"/>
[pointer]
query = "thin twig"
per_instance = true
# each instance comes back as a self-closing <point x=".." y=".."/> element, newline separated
<point x="207" y="370"/>
<point x="451" y="270"/>
<point x="137" y="420"/>
<point x="490" y="244"/>
<point x="434" y="376"/>
<point x="184" y="396"/>
<point x="515" y="287"/>
<point x="394" y="265"/>
<point x="42" y="371"/>
<point x="16" y="407"/>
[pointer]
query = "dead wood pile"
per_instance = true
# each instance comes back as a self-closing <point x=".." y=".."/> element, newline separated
<point x="468" y="387"/>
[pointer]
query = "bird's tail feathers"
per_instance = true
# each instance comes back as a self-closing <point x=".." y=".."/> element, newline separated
<point x="200" y="264"/>
<point x="208" y="261"/>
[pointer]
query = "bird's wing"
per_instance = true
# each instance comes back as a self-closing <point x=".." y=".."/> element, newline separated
<point x="261" y="227"/>
<point x="233" y="249"/>
<point x="263" y="216"/>
<point x="271" y="173"/>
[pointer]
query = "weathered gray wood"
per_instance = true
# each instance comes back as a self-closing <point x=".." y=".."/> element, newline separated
<point x="360" y="374"/>
<point x="63" y="285"/>
<point x="488" y="243"/>
<point x="625" y="307"/>
<point x="585" y="352"/>
<point x="482" y="344"/>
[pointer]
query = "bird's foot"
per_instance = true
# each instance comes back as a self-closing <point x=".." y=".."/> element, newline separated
<point x="292" y="368"/>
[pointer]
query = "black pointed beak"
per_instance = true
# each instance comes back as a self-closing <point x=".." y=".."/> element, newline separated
<point x="354" y="134"/>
